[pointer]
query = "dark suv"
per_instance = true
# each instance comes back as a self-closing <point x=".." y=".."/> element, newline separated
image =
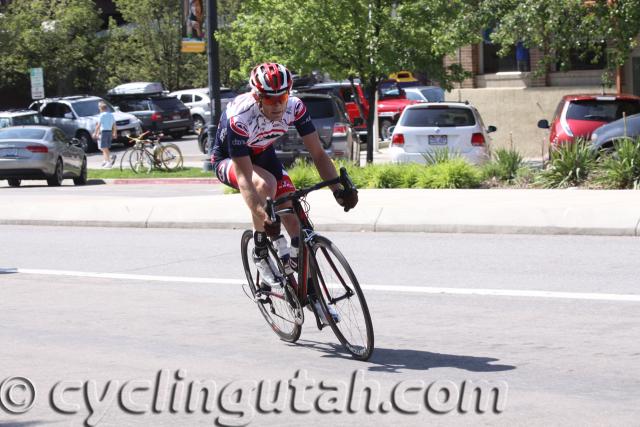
<point x="156" y="112"/>
<point x="330" y="119"/>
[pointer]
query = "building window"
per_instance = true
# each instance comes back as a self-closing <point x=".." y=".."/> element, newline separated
<point x="517" y="59"/>
<point x="582" y="62"/>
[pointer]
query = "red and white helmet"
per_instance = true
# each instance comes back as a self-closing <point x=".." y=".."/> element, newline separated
<point x="270" y="79"/>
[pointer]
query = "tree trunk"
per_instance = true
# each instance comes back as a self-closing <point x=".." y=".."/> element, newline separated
<point x="373" y="87"/>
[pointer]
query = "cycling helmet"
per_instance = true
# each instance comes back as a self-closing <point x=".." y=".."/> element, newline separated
<point x="270" y="79"/>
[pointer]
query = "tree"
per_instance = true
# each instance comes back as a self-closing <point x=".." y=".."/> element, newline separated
<point x="148" y="48"/>
<point x="602" y="29"/>
<point x="367" y="39"/>
<point x="57" y="35"/>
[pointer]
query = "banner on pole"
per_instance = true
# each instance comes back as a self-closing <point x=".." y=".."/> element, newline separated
<point x="192" y="26"/>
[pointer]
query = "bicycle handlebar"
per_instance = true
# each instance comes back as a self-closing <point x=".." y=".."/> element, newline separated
<point x="342" y="179"/>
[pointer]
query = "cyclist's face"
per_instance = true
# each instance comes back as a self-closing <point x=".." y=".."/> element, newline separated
<point x="273" y="107"/>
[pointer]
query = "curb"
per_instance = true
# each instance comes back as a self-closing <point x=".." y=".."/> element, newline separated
<point x="342" y="227"/>
<point x="124" y="181"/>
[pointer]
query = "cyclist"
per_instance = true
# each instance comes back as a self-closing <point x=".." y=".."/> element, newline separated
<point x="244" y="158"/>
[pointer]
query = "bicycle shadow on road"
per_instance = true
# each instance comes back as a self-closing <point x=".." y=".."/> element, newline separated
<point x="22" y="423"/>
<point x="395" y="360"/>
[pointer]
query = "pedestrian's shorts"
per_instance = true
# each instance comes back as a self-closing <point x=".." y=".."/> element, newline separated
<point x="105" y="139"/>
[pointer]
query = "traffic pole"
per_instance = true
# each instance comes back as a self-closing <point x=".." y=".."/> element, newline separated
<point x="214" y="74"/>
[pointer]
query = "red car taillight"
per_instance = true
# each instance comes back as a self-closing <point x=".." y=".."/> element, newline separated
<point x="477" y="139"/>
<point x="339" y="129"/>
<point x="398" y="139"/>
<point x="156" y="117"/>
<point x="37" y="148"/>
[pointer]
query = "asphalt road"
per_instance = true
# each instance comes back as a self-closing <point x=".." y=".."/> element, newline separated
<point x="167" y="313"/>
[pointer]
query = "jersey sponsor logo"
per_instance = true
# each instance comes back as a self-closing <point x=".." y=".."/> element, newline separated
<point x="300" y="110"/>
<point x="239" y="128"/>
<point x="237" y="142"/>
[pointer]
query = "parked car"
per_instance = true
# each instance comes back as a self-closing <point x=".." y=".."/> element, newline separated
<point x="604" y="137"/>
<point x="40" y="152"/>
<point x="403" y="77"/>
<point x="20" y="117"/>
<point x="332" y="123"/>
<point x="425" y="93"/>
<point x="199" y="104"/>
<point x="330" y="120"/>
<point x="77" y="116"/>
<point x="579" y="115"/>
<point x="426" y="127"/>
<point x="153" y="107"/>
<point x="390" y="104"/>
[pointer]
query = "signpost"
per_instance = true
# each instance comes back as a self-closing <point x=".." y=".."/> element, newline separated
<point x="37" y="83"/>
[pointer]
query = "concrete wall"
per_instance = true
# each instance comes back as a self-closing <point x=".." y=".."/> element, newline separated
<point x="516" y="111"/>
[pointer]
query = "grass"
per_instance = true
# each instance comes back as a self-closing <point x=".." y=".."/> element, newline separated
<point x="116" y="173"/>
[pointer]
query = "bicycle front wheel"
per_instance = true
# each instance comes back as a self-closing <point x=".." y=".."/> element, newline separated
<point x="170" y="157"/>
<point x="140" y="161"/>
<point x="336" y="286"/>
<point x="282" y="312"/>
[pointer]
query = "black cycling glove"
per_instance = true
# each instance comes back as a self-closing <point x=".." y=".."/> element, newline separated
<point x="348" y="199"/>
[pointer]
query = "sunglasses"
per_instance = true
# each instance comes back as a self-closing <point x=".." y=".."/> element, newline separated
<point x="274" y="100"/>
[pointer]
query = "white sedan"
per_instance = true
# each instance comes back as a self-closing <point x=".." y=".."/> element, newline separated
<point x="427" y="127"/>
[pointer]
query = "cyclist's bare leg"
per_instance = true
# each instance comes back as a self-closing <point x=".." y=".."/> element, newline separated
<point x="266" y="185"/>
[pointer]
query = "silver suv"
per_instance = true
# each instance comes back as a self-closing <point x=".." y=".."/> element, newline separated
<point x="199" y="103"/>
<point x="77" y="116"/>
<point x="21" y="117"/>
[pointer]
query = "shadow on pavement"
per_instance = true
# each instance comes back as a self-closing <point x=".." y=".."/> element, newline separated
<point x="394" y="360"/>
<point x="21" y="423"/>
<point x="8" y="271"/>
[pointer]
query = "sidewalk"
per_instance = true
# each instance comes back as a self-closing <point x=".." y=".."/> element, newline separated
<point x="577" y="212"/>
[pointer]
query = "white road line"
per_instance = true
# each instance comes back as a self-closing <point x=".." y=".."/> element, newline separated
<point x="593" y="296"/>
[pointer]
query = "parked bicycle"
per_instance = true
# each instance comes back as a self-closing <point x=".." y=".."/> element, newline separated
<point x="148" y="152"/>
<point x="323" y="275"/>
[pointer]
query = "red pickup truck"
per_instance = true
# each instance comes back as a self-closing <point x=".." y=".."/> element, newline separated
<point x="390" y="105"/>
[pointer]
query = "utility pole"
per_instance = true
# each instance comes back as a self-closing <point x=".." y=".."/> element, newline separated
<point x="214" y="70"/>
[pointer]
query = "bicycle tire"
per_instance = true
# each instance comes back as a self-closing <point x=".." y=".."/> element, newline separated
<point x="279" y="315"/>
<point x="140" y="161"/>
<point x="124" y="159"/>
<point x="170" y="157"/>
<point x="332" y="276"/>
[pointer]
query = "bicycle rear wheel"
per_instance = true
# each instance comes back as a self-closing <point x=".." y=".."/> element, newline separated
<point x="170" y="157"/>
<point x="282" y="312"/>
<point x="336" y="285"/>
<point x="140" y="161"/>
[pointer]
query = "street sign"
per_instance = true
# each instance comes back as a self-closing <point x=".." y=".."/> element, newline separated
<point x="37" y="83"/>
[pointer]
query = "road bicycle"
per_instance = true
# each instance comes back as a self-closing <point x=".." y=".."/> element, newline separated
<point x="148" y="153"/>
<point x="323" y="274"/>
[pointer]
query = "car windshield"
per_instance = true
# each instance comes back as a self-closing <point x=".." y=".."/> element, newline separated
<point x="438" y="117"/>
<point x="319" y="108"/>
<point x="433" y="94"/>
<point x="601" y="111"/>
<point x="20" y="133"/>
<point x="168" y="104"/>
<point x="89" y="108"/>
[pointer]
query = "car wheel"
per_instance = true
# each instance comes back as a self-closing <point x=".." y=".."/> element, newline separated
<point x="384" y="129"/>
<point x="82" y="179"/>
<point x="87" y="143"/>
<point x="198" y="124"/>
<point x="203" y="143"/>
<point x="56" y="179"/>
<point x="176" y="135"/>
<point x="14" y="182"/>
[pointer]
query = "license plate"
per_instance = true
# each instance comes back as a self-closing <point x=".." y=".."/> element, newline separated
<point x="9" y="152"/>
<point x="437" y="139"/>
<point x="176" y="117"/>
